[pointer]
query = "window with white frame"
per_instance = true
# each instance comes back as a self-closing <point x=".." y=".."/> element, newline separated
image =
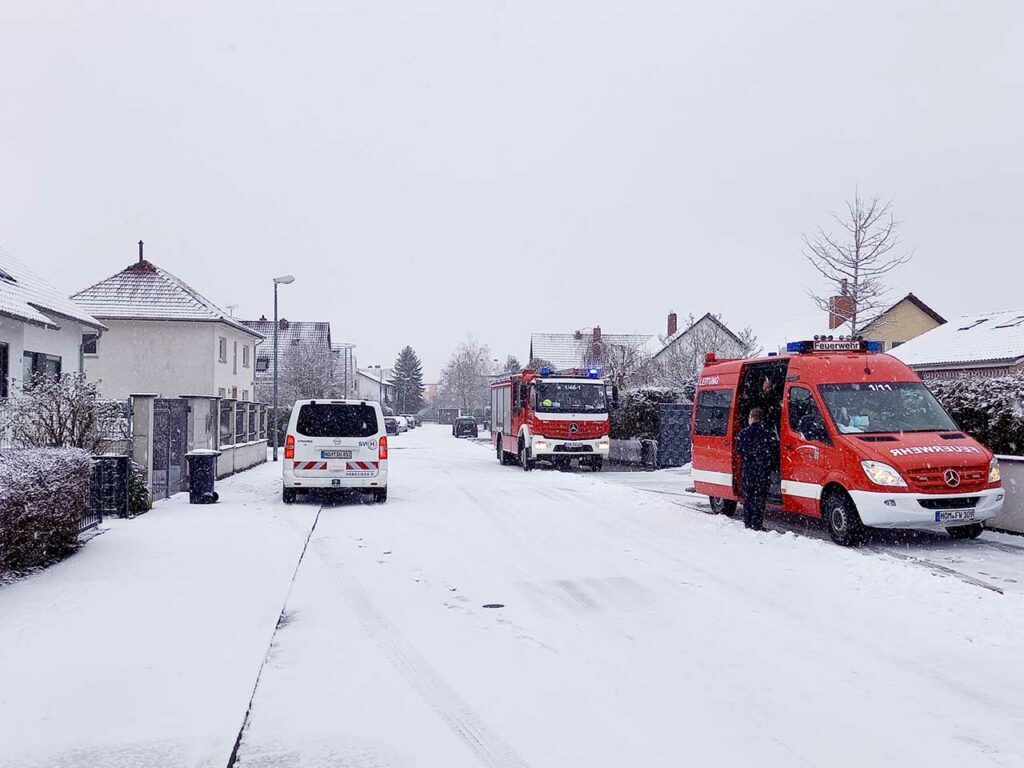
<point x="89" y="343"/>
<point x="222" y="349"/>
<point x="245" y="356"/>
<point x="234" y="358"/>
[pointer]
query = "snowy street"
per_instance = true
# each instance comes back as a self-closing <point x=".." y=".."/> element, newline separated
<point x="632" y="630"/>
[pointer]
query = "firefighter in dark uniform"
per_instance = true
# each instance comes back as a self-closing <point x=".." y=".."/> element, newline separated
<point x="756" y="447"/>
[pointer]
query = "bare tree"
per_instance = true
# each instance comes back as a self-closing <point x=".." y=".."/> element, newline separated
<point x="855" y="261"/>
<point x="309" y="372"/>
<point x="464" y="380"/>
<point x="623" y="363"/>
<point x="64" y="412"/>
<point x="679" y="364"/>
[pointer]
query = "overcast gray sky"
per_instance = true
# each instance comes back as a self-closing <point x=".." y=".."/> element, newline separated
<point x="510" y="166"/>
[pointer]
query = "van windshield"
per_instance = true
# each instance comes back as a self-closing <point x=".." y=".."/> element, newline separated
<point x="336" y="420"/>
<point x="570" y="397"/>
<point x="890" y="407"/>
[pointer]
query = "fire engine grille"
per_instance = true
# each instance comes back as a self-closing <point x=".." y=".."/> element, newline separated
<point x="933" y="479"/>
<point x="960" y="502"/>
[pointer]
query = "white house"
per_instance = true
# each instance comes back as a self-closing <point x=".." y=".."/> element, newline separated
<point x="683" y="350"/>
<point x="371" y="383"/>
<point x="165" y="337"/>
<point x="41" y="331"/>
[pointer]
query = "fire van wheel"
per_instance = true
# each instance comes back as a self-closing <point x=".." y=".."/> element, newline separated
<point x="972" y="531"/>
<point x="844" y="525"/>
<point x="380" y="496"/>
<point x="524" y="457"/>
<point x="595" y="464"/>
<point x="288" y="495"/>
<point x="725" y="507"/>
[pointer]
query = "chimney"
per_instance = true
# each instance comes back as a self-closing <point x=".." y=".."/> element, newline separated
<point x="263" y="318"/>
<point x="140" y="251"/>
<point x="282" y="323"/>
<point x="597" y="334"/>
<point x="673" y="322"/>
<point x="840" y="309"/>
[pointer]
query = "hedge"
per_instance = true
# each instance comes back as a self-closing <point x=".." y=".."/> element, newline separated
<point x="44" y="493"/>
<point x="637" y="416"/>
<point x="989" y="410"/>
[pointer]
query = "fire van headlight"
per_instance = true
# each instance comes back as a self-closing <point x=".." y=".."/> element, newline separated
<point x="994" y="475"/>
<point x="882" y="474"/>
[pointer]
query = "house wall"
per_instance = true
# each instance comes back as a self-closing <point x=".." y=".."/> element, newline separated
<point x="902" y="323"/>
<point x="21" y="337"/>
<point x="233" y="374"/>
<point x="158" y="356"/>
<point x="369" y="388"/>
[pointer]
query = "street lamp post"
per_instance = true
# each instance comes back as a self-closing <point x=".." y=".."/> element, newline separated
<point x="283" y="280"/>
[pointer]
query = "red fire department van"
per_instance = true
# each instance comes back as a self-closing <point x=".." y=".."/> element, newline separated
<point x="551" y="416"/>
<point x="861" y="441"/>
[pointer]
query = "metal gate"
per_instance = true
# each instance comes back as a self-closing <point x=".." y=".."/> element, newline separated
<point x="170" y="430"/>
<point x="673" y="434"/>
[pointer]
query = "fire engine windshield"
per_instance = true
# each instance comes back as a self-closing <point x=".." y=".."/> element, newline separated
<point x="879" y="408"/>
<point x="570" y="397"/>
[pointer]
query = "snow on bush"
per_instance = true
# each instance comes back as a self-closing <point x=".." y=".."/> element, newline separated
<point x="990" y="410"/>
<point x="637" y="416"/>
<point x="44" y="492"/>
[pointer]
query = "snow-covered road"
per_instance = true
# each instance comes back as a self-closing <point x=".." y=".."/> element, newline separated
<point x="633" y="630"/>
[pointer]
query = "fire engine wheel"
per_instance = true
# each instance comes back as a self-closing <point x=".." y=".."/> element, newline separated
<point x="844" y="525"/>
<point x="524" y="457"/>
<point x="725" y="507"/>
<point x="595" y="464"/>
<point x="972" y="531"/>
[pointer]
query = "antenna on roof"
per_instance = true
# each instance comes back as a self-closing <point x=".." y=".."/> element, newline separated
<point x="231" y="309"/>
<point x="140" y="251"/>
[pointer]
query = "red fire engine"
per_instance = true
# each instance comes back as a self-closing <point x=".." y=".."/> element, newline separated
<point x="554" y="416"/>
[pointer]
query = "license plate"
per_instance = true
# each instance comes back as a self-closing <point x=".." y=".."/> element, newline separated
<point x="954" y="515"/>
<point x="573" y="445"/>
<point x="335" y="454"/>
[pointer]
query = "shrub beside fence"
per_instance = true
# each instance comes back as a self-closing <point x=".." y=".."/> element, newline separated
<point x="45" y="496"/>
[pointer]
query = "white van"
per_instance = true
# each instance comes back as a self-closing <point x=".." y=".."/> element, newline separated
<point x="335" y="444"/>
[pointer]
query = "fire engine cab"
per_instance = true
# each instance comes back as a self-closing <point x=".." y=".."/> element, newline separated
<point x="551" y="416"/>
<point x="861" y="442"/>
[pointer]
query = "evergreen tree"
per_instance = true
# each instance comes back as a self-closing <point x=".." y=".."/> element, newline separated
<point x="408" y="380"/>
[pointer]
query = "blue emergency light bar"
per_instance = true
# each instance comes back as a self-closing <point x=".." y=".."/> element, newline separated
<point x="831" y="344"/>
<point x="545" y="371"/>
<point x="594" y="373"/>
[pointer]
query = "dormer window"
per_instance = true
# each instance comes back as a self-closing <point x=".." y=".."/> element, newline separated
<point x="6" y="277"/>
<point x="1012" y="323"/>
<point x="975" y="324"/>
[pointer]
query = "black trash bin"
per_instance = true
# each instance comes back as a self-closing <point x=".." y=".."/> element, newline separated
<point x="202" y="472"/>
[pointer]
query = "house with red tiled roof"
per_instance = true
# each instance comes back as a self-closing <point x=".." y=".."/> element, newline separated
<point x="166" y="338"/>
<point x="41" y="331"/>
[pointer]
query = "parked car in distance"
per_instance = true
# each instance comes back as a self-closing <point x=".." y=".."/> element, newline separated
<point x="411" y="420"/>
<point x="391" y="424"/>
<point x="403" y="425"/>
<point x="465" y="426"/>
<point x="335" y="444"/>
<point x="419" y="421"/>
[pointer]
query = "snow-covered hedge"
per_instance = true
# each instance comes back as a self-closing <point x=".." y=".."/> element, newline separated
<point x="990" y="410"/>
<point x="44" y="492"/>
<point x="637" y="416"/>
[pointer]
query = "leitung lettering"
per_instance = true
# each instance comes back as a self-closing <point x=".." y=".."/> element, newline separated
<point x="917" y="450"/>
<point x="708" y="381"/>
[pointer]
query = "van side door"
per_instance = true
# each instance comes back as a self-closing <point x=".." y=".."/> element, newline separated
<point x="806" y="451"/>
<point x="712" y="443"/>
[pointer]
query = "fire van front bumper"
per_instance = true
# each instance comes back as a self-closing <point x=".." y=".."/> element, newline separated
<point x="549" y="447"/>
<point x="927" y="511"/>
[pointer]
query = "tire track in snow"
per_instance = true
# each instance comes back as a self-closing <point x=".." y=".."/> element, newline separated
<point x="233" y="758"/>
<point x="454" y="711"/>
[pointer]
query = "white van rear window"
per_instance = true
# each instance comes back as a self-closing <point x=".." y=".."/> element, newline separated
<point x="336" y="420"/>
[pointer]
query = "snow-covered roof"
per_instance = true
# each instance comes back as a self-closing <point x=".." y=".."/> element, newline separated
<point x="144" y="291"/>
<point x="571" y="350"/>
<point x="708" y="317"/>
<point x="988" y="338"/>
<point x="289" y="333"/>
<point x="382" y="375"/>
<point x="910" y="298"/>
<point x="26" y="296"/>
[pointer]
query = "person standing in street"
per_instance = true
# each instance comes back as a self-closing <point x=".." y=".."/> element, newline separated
<point x="756" y="447"/>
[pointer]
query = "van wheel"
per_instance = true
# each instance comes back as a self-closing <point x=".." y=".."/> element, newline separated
<point x="524" y="457"/>
<point x="972" y="531"/>
<point x="504" y="458"/>
<point x="380" y="496"/>
<point x="725" y="507"/>
<point x="288" y="495"/>
<point x="844" y="525"/>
